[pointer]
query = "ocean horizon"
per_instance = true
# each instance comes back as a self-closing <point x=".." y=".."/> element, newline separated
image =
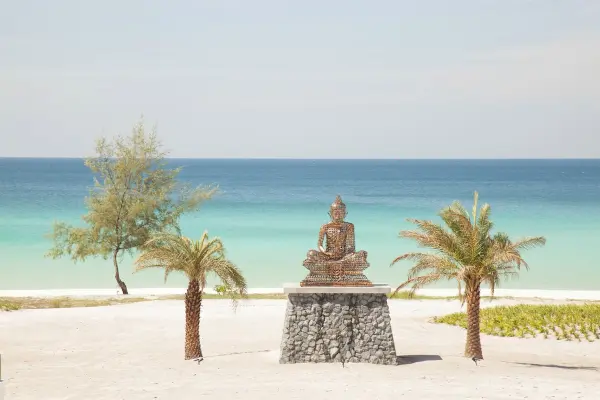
<point x="270" y="210"/>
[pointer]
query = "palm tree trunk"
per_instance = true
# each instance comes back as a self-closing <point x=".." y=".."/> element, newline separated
<point x="473" y="345"/>
<point x="193" y="301"/>
<point x="117" y="276"/>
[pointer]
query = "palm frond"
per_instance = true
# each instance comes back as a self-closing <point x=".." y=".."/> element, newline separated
<point x="493" y="280"/>
<point x="418" y="282"/>
<point x="433" y="236"/>
<point x="168" y="251"/>
<point x="196" y="259"/>
<point x="529" y="243"/>
<point x="457" y="219"/>
<point x="434" y="264"/>
<point x="484" y="224"/>
<point x="504" y="252"/>
<point x="417" y="256"/>
<point x="467" y="253"/>
<point x="475" y="200"/>
<point x="461" y="297"/>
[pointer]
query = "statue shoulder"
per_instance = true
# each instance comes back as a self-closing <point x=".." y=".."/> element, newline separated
<point x="349" y="225"/>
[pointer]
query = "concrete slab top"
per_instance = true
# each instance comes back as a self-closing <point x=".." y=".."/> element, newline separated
<point x="296" y="288"/>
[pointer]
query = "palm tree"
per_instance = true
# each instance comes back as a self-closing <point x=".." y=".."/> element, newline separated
<point x="196" y="259"/>
<point x="468" y="253"/>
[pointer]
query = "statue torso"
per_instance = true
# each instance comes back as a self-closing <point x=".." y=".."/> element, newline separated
<point x="336" y="235"/>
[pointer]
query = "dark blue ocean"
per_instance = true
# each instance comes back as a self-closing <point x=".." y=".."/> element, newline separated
<point x="269" y="213"/>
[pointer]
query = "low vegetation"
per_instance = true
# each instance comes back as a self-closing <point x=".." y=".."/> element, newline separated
<point x="27" y="303"/>
<point x="563" y="322"/>
<point x="24" y="303"/>
<point x="18" y="303"/>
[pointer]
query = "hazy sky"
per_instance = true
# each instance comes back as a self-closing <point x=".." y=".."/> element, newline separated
<point x="304" y="79"/>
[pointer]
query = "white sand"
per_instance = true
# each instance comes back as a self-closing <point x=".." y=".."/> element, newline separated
<point x="135" y="351"/>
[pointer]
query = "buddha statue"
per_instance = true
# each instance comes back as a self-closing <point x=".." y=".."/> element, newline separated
<point x="338" y="263"/>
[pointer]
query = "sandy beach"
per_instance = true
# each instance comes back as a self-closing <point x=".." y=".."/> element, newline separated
<point x="135" y="352"/>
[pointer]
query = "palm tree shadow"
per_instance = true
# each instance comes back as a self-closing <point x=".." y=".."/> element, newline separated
<point x="416" y="358"/>
<point x="572" y="367"/>
<point x="235" y="353"/>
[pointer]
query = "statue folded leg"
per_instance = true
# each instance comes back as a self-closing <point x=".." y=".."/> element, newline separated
<point x="318" y="256"/>
<point x="357" y="259"/>
<point x="316" y="261"/>
<point x="325" y="271"/>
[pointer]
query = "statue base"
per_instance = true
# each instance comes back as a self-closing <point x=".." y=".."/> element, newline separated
<point x="337" y="324"/>
<point x="336" y="273"/>
<point x="355" y="280"/>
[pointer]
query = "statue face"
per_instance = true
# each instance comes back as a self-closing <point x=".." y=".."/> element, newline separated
<point x="338" y="214"/>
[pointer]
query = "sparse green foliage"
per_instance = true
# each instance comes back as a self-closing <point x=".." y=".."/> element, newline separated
<point x="222" y="290"/>
<point x="465" y="251"/>
<point x="134" y="197"/>
<point x="562" y="322"/>
<point x="9" y="305"/>
<point x="24" y="303"/>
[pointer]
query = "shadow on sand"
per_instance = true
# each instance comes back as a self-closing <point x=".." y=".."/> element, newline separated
<point x="411" y="359"/>
<point x="573" y="367"/>
<point x="402" y="360"/>
<point x="238" y="353"/>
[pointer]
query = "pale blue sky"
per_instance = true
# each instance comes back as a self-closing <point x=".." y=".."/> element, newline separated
<point x="395" y="79"/>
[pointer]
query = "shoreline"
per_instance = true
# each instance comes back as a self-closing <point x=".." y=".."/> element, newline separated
<point x="592" y="295"/>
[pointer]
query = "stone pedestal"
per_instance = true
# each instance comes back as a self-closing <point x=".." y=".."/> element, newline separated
<point x="337" y="324"/>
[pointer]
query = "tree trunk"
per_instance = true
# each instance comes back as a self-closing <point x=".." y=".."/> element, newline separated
<point x="117" y="276"/>
<point x="473" y="345"/>
<point x="193" y="302"/>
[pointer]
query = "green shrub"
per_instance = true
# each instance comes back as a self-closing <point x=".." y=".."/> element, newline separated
<point x="221" y="290"/>
<point x="562" y="322"/>
<point x="7" y="305"/>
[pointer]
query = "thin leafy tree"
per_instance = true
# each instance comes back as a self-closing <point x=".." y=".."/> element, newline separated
<point x="134" y="197"/>
<point x="465" y="251"/>
<point x="197" y="260"/>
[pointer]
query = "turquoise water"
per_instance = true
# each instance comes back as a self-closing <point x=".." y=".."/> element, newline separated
<point x="270" y="211"/>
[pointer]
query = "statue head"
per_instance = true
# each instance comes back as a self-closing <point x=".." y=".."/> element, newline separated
<point x="337" y="210"/>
